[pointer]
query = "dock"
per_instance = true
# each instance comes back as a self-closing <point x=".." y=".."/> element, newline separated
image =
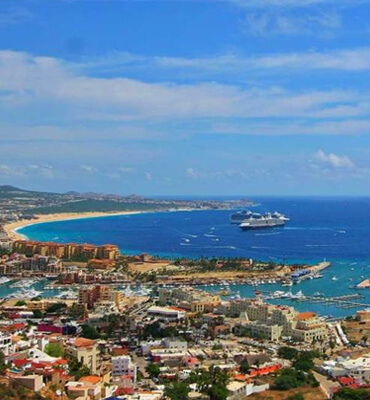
<point x="344" y="302"/>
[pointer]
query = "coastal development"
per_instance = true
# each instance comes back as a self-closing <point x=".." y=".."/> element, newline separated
<point x="184" y="200"/>
<point x="86" y="322"/>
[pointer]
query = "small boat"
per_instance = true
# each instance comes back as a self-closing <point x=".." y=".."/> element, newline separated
<point x="334" y="278"/>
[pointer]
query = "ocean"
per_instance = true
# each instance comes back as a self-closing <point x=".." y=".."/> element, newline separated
<point x="335" y="229"/>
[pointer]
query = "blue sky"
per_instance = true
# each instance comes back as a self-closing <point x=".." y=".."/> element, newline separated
<point x="248" y="97"/>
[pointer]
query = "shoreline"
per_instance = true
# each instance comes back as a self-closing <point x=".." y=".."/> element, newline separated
<point x="12" y="228"/>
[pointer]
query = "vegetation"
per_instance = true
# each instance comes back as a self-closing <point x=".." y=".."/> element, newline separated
<point x="94" y="205"/>
<point x="212" y="383"/>
<point x="157" y="332"/>
<point x="244" y="366"/>
<point x="54" y="308"/>
<point x="297" y="396"/>
<point x="77" y="369"/>
<point x="291" y="378"/>
<point x="20" y="303"/>
<point x="177" y="391"/>
<point x="288" y="353"/>
<point x="16" y="392"/>
<point x="3" y="366"/>
<point x="54" y="350"/>
<point x="37" y="314"/>
<point x="152" y="370"/>
<point x="89" y="332"/>
<point x="352" y="394"/>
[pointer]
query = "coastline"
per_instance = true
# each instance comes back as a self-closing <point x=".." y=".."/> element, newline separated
<point x="12" y="228"/>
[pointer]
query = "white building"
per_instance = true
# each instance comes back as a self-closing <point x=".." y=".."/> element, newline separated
<point x="166" y="313"/>
<point x="5" y="343"/>
<point x="123" y="366"/>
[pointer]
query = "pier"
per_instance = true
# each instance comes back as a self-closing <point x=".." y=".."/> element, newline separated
<point x="345" y="301"/>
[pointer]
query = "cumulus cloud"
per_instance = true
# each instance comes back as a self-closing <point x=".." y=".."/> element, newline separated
<point x="334" y="160"/>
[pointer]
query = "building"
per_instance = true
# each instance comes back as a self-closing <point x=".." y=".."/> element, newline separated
<point x="309" y="327"/>
<point x="5" y="343"/>
<point x="167" y="313"/>
<point x="90" y="295"/>
<point x="123" y="366"/>
<point x="270" y="321"/>
<point x="86" y="351"/>
<point x="68" y="251"/>
<point x="189" y="299"/>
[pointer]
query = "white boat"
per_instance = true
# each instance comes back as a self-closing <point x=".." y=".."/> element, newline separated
<point x="277" y="294"/>
<point x="4" y="280"/>
<point x="24" y="283"/>
<point x="67" y="295"/>
<point x="334" y="278"/>
<point x="26" y="294"/>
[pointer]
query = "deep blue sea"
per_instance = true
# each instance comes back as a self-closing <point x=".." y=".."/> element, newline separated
<point x="337" y="229"/>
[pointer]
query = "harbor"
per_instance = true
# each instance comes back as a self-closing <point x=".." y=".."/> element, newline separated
<point x="345" y="301"/>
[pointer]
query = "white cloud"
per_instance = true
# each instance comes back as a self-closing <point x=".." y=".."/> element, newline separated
<point x="289" y="3"/>
<point x="88" y="168"/>
<point x="346" y="127"/>
<point x="334" y="160"/>
<point x="138" y="110"/>
<point x="14" y="15"/>
<point x="148" y="176"/>
<point x="192" y="173"/>
<point x="127" y="170"/>
<point x="355" y="59"/>
<point x="319" y="24"/>
<point x="45" y="79"/>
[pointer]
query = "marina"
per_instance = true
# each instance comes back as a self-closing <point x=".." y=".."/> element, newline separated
<point x="344" y="302"/>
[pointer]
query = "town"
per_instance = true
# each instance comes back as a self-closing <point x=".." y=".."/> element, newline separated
<point x="86" y="322"/>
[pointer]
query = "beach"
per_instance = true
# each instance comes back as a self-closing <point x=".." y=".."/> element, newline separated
<point x="12" y="228"/>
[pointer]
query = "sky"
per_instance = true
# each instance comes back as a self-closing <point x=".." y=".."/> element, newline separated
<point x="186" y="97"/>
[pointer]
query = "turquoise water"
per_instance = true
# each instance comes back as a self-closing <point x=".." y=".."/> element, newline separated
<point x="337" y="229"/>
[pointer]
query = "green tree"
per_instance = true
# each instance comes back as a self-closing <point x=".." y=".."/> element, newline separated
<point x="54" y="350"/>
<point x="77" y="369"/>
<point x="152" y="370"/>
<point x="352" y="394"/>
<point x="37" y="314"/>
<point x="56" y="307"/>
<point x="177" y="391"/>
<point x="212" y="382"/>
<point x="305" y="361"/>
<point x="244" y="366"/>
<point x="3" y="366"/>
<point x="297" y="396"/>
<point x="288" y="353"/>
<point x="89" y="332"/>
<point x="20" y="303"/>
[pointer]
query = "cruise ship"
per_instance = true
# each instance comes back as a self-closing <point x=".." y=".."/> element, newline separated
<point x="240" y="216"/>
<point x="258" y="221"/>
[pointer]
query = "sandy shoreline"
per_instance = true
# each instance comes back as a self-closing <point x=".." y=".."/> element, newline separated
<point x="12" y="228"/>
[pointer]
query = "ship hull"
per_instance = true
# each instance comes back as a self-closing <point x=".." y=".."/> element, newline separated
<point x="265" y="224"/>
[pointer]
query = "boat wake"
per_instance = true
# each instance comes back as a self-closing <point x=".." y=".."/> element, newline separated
<point x="268" y="234"/>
